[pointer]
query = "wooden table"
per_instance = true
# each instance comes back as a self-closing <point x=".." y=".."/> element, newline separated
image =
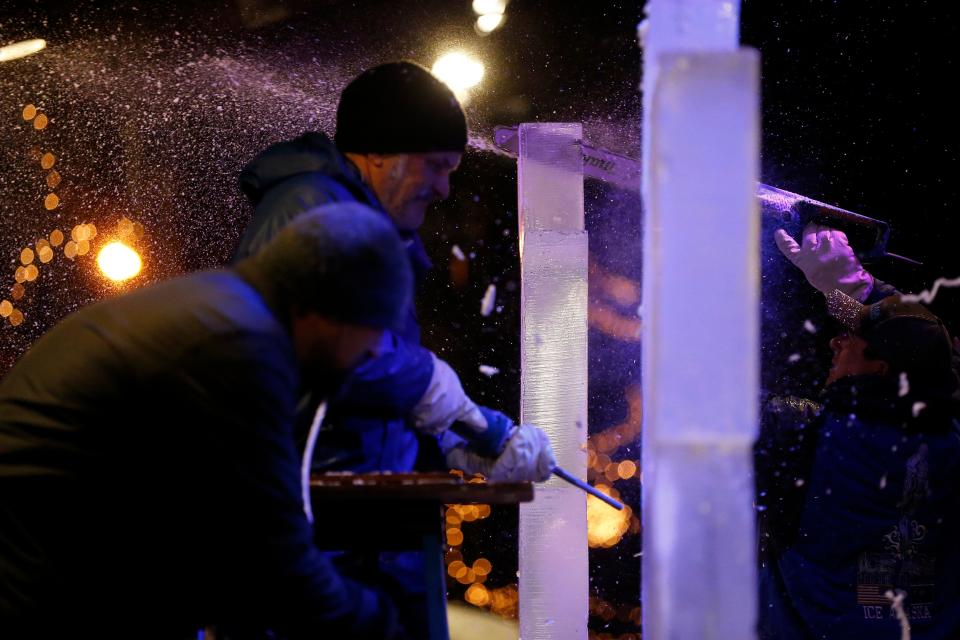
<point x="413" y="504"/>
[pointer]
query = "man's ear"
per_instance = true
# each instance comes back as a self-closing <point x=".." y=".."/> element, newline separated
<point x="376" y="159"/>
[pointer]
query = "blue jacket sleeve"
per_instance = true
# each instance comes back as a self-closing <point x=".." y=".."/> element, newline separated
<point x="389" y="385"/>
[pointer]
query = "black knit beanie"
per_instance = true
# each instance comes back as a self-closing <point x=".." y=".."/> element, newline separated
<point x="399" y="107"/>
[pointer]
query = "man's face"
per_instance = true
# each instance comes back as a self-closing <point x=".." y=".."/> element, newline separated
<point x="328" y="349"/>
<point x="407" y="183"/>
<point x="849" y="360"/>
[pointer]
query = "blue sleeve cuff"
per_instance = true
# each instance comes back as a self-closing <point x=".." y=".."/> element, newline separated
<point x="491" y="441"/>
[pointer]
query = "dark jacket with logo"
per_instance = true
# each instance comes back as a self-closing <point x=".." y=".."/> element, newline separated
<point x="857" y="496"/>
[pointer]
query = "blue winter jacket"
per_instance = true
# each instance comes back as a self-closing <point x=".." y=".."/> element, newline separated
<point x="857" y="497"/>
<point x="366" y="426"/>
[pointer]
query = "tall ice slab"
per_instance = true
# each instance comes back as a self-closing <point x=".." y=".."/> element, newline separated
<point x="701" y="323"/>
<point x="553" y="354"/>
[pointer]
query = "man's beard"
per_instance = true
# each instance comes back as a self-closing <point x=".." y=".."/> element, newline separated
<point x="324" y="382"/>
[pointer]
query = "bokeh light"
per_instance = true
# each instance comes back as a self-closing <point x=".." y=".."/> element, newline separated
<point x="459" y="71"/>
<point x="117" y="261"/>
<point x="488" y="22"/>
<point x="22" y="49"/>
<point x="477" y="595"/>
<point x="606" y="525"/>
<point x="486" y="7"/>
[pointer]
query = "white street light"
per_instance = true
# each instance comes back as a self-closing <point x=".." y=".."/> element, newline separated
<point x="21" y="49"/>
<point x="459" y="71"/>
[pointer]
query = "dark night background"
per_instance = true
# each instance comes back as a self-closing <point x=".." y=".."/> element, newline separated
<point x="156" y="106"/>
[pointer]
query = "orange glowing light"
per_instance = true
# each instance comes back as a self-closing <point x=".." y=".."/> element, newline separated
<point x="17" y="291"/>
<point x="627" y="469"/>
<point x="612" y="472"/>
<point x="20" y="274"/>
<point x="16" y="317"/>
<point x="29" y="112"/>
<point x="482" y="566"/>
<point x="117" y="261"/>
<point x="51" y="201"/>
<point x="454" y="537"/>
<point x="456" y="569"/>
<point x="477" y="595"/>
<point x="45" y="253"/>
<point x="56" y="237"/>
<point x="31" y="272"/>
<point x="70" y="249"/>
<point x="605" y="525"/>
<point x="53" y="179"/>
<point x="26" y="256"/>
<point x="83" y="247"/>
<point x="453" y="555"/>
<point x="47" y="160"/>
<point x="6" y="308"/>
<point x="40" y="122"/>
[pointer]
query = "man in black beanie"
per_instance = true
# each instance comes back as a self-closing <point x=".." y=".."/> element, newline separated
<point x="400" y="135"/>
<point x="149" y="477"/>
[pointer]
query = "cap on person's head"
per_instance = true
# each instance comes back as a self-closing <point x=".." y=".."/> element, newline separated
<point x="344" y="261"/>
<point x="399" y="107"/>
<point x="905" y="335"/>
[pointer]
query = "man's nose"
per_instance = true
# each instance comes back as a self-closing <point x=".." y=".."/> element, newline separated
<point x="836" y="342"/>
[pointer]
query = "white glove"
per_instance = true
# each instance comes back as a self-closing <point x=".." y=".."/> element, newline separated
<point x="445" y="402"/>
<point x="526" y="458"/>
<point x="826" y="259"/>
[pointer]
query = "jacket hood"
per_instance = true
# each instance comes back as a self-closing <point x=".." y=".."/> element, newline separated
<point x="311" y="152"/>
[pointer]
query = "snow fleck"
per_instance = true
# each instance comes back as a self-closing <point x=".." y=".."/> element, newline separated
<point x="918" y="407"/>
<point x="489" y="299"/>
<point x="489" y="371"/>
<point x="809" y="326"/>
<point x="458" y="253"/>
<point x="883" y="481"/>
<point x="799" y="482"/>
<point x="904" y="384"/>
<point x="794" y="357"/>
<point x="896" y="606"/>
